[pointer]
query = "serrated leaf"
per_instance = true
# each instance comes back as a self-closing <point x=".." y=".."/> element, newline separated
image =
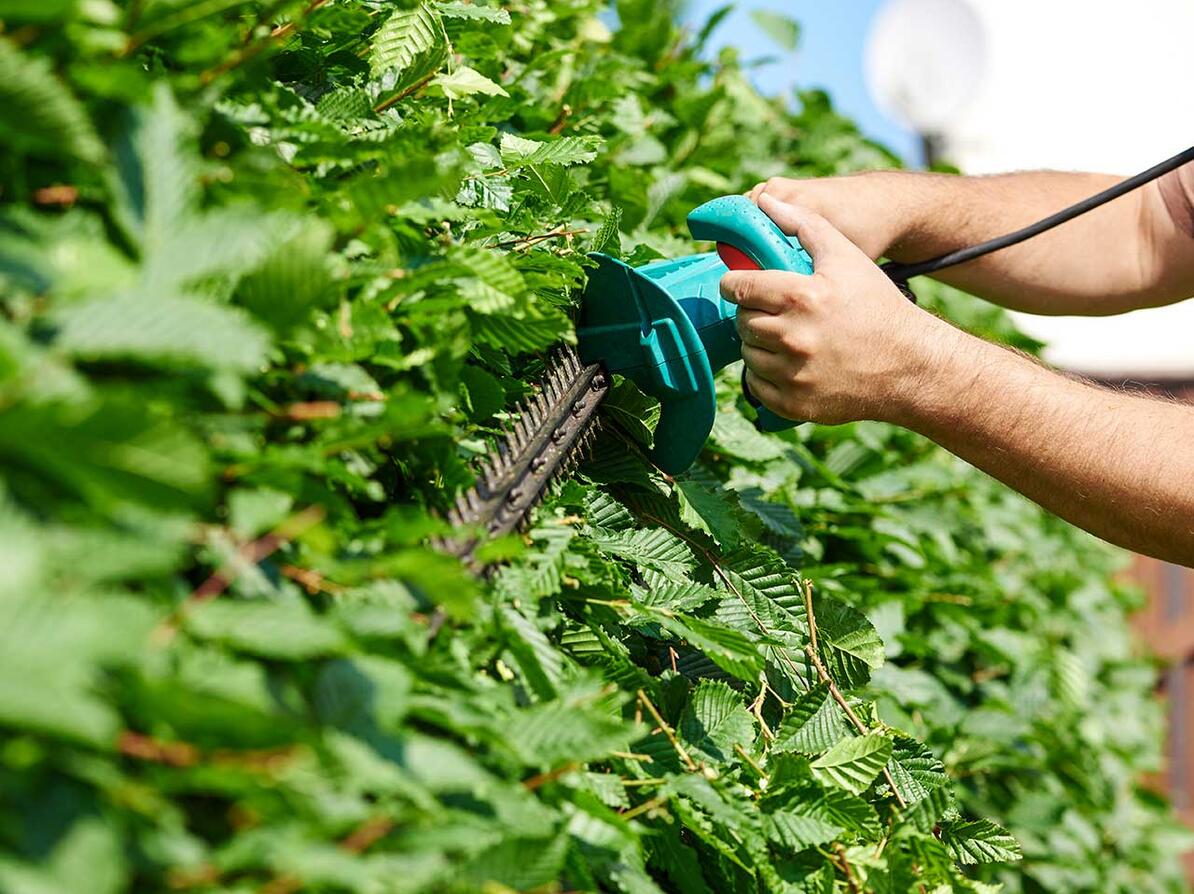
<point x="812" y="724"/>
<point x="607" y="239"/>
<point x="518" y="151"/>
<point x="290" y="632"/>
<point x="853" y="764"/>
<point x="981" y="841"/>
<point x="169" y="331"/>
<point x="726" y="647"/>
<point x="715" y="720"/>
<point x="709" y="510"/>
<point x="459" y="10"/>
<point x="655" y="548"/>
<point x="541" y="663"/>
<point x="916" y="771"/>
<point x="849" y="643"/>
<point x="402" y="38"/>
<point x="559" y="732"/>
<point x="38" y="114"/>
<point x="465" y="81"/>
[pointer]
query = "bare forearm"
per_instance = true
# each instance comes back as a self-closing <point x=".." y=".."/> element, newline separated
<point x="1136" y="251"/>
<point x="1099" y="263"/>
<point x="1120" y="466"/>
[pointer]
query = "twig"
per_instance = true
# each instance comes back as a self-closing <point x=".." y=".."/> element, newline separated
<point x="807" y="586"/>
<point x="667" y="731"/>
<point x="254" y="552"/>
<point x="658" y="801"/>
<point x="311" y="581"/>
<point x="851" y="881"/>
<point x="551" y="776"/>
<point x="249" y="51"/>
<point x="248" y="555"/>
<point x="560" y="231"/>
<point x="845" y="706"/>
<point x="366" y="834"/>
<point x="633" y="756"/>
<point x="398" y="97"/>
<point x="756" y="707"/>
<point x="750" y="760"/>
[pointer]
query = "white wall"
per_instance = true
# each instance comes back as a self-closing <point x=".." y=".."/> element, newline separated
<point x="1100" y="85"/>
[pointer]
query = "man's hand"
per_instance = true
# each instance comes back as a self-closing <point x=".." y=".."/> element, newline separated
<point x="866" y="208"/>
<point x="844" y="344"/>
<point x="1131" y="253"/>
<point x="839" y="345"/>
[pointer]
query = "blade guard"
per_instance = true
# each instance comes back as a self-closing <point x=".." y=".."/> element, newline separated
<point x="665" y="326"/>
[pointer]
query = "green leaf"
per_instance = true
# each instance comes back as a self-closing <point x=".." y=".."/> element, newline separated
<point x="459" y="10"/>
<point x="294" y="278"/>
<point x="709" y="510"/>
<point x="849" y="643"/>
<point x="655" y="548"/>
<point x="519" y="152"/>
<point x="633" y="412"/>
<point x="981" y="841"/>
<point x="286" y="631"/>
<point x="38" y="113"/>
<point x="812" y="724"/>
<point x="715" y="720"/>
<point x="541" y="663"/>
<point x="403" y="37"/>
<point x="465" y="81"/>
<point x="561" y="731"/>
<point x="853" y="764"/>
<point x="166" y="331"/>
<point x="779" y="27"/>
<point x="726" y="647"/>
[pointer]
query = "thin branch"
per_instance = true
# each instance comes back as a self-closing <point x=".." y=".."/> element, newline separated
<point x="807" y="585"/>
<point x="542" y="779"/>
<point x="658" y="801"/>
<point x="762" y="774"/>
<point x="633" y="756"/>
<point x="524" y="241"/>
<point x="254" y="49"/>
<point x="398" y="97"/>
<point x="851" y="881"/>
<point x="667" y="731"/>
<point x="845" y="706"/>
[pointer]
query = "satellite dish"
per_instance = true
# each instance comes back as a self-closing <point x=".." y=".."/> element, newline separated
<point x="924" y="60"/>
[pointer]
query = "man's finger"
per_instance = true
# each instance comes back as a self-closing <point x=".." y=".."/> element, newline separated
<point x="766" y="290"/>
<point x="760" y="329"/>
<point x="763" y="390"/>
<point x="768" y="365"/>
<point x="818" y="236"/>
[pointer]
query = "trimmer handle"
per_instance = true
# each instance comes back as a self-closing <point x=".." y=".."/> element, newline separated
<point x="747" y="239"/>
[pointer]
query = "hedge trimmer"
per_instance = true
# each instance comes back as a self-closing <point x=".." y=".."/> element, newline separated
<point x="665" y="327"/>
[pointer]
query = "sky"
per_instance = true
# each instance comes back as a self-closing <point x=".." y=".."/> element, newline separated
<point x="833" y="33"/>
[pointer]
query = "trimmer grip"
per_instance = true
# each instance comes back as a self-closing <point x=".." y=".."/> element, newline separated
<point x="737" y="222"/>
<point x="748" y="239"/>
<point x="765" y="420"/>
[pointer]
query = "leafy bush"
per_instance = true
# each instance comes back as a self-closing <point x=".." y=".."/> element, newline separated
<point x="273" y="277"/>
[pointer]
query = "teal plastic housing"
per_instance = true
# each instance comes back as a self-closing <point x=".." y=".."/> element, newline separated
<point x="665" y="326"/>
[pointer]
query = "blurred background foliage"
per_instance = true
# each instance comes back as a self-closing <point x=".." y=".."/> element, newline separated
<point x="273" y="275"/>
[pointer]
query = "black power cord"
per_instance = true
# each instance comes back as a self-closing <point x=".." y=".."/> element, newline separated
<point x="901" y="273"/>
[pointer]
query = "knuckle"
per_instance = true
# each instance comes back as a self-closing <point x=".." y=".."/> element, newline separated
<point x="792" y="298"/>
<point x="793" y="343"/>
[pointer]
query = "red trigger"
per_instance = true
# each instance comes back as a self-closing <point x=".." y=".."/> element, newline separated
<point x="734" y="258"/>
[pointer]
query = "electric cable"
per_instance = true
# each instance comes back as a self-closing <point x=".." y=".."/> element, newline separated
<point x="901" y="273"/>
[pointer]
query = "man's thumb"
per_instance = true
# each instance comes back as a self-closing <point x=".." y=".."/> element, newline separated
<point x="817" y="235"/>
